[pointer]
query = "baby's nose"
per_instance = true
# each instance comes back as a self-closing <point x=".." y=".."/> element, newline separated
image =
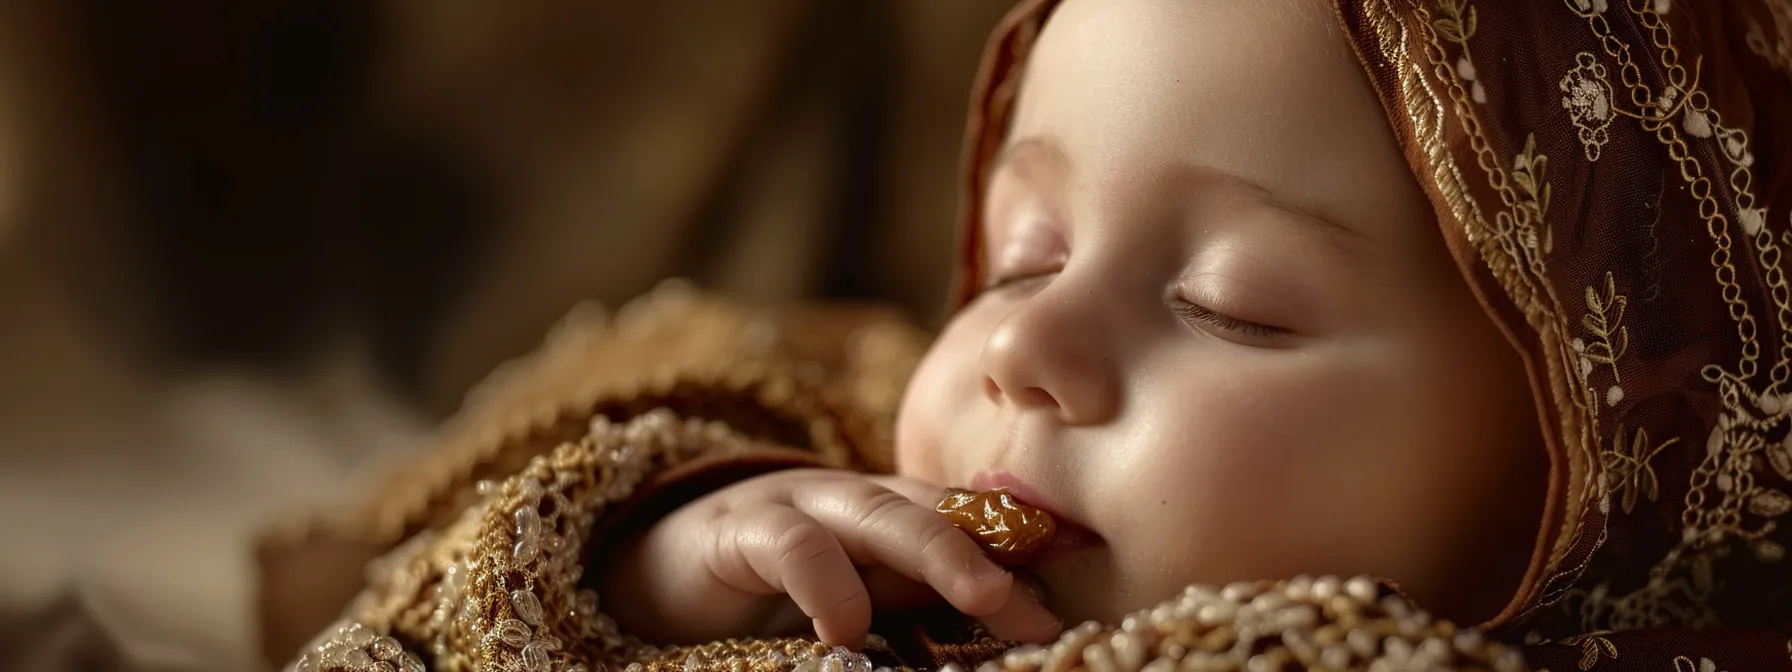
<point x="1037" y="359"/>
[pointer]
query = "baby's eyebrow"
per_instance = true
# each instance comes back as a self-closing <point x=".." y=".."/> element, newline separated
<point x="1268" y="198"/>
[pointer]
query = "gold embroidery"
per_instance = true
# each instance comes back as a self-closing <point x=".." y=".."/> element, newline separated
<point x="1529" y="170"/>
<point x="1627" y="465"/>
<point x="1721" y="488"/>
<point x="1518" y="267"/>
<point x="1587" y="96"/>
<point x="1605" y="322"/>
<point x="1593" y="646"/>
<point x="1684" y="664"/>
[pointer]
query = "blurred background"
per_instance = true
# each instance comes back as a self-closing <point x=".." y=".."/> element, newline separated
<point x="246" y="246"/>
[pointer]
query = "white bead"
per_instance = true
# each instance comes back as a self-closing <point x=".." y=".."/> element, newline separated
<point x="1216" y="613"/>
<point x="1160" y="665"/>
<point x="1022" y="655"/>
<point x="1301" y="617"/>
<point x="1469" y="641"/>
<point x="1361" y="589"/>
<point x="1163" y="613"/>
<point x="528" y="523"/>
<point x="1129" y="651"/>
<point x="952" y="667"/>
<point x="513" y="633"/>
<point x="1099" y="658"/>
<point x="1335" y="657"/>
<point x="1361" y="642"/>
<point x="357" y="635"/>
<point x="1327" y="587"/>
<point x="841" y="659"/>
<point x="814" y="665"/>
<point x="1238" y="592"/>
<point x="384" y="648"/>
<point x="1300" y="588"/>
<point x="1397" y="649"/>
<point x="357" y="658"/>
<point x="1433" y="650"/>
<point x="525" y="550"/>
<point x="526" y="606"/>
<point x="1508" y="660"/>
<point x="693" y="663"/>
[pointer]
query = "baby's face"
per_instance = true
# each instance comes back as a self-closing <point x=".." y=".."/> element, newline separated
<point x="1221" y="329"/>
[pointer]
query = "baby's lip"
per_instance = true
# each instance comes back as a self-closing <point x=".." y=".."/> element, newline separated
<point x="1071" y="534"/>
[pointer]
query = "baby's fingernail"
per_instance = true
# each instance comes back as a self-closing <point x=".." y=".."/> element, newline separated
<point x="983" y="569"/>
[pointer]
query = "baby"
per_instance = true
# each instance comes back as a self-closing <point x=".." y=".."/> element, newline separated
<point x="1217" y="335"/>
<point x="1253" y="289"/>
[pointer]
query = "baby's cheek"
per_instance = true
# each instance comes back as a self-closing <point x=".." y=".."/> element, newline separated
<point x="941" y="402"/>
<point x="1246" y="478"/>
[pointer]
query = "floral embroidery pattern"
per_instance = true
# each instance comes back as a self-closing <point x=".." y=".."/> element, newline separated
<point x="1627" y="468"/>
<point x="1604" y="322"/>
<point x="1587" y="95"/>
<point x="1593" y="646"/>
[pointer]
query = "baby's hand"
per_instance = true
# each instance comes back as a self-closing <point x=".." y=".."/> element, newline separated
<point x="836" y="543"/>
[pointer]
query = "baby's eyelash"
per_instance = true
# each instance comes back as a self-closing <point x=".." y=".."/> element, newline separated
<point x="1190" y="311"/>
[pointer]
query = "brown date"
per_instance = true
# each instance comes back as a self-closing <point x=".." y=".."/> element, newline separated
<point x="1008" y="529"/>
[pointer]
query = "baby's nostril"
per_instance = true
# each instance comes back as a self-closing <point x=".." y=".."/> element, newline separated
<point x="1035" y="396"/>
<point x="991" y="389"/>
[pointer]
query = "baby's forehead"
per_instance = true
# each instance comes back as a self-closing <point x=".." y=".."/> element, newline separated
<point x="1132" y="94"/>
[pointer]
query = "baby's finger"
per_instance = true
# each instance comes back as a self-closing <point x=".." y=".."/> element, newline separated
<point x="1023" y="619"/>
<point x="779" y="549"/>
<point x="892" y="590"/>
<point x="877" y="525"/>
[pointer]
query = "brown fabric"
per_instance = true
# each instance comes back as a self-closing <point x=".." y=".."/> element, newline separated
<point x="670" y="350"/>
<point x="1615" y="179"/>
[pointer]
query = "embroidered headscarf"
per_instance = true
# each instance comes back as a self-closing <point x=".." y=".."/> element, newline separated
<point x="1616" y="177"/>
